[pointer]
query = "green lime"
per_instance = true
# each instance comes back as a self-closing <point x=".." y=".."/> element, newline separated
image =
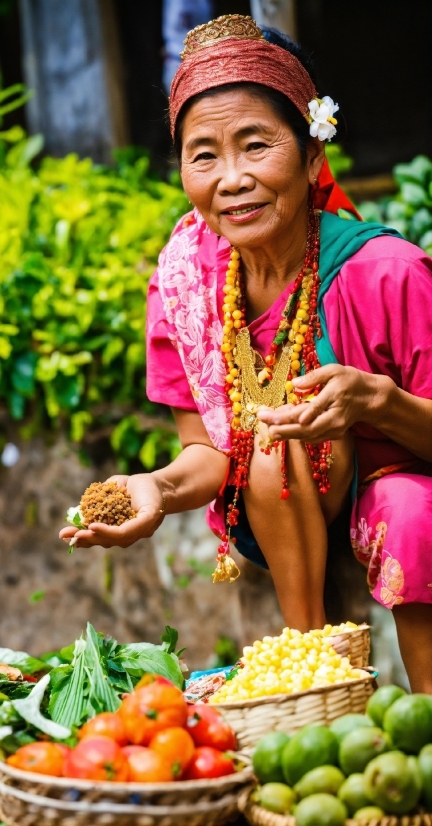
<point x="408" y="721"/>
<point x="325" y="779"/>
<point x="369" y="813"/>
<point x="381" y="700"/>
<point x="266" y="759"/>
<point x="393" y="782"/>
<point x="276" y="797"/>
<point x="360" y="746"/>
<point x="425" y="767"/>
<point x="343" y="725"/>
<point x="310" y="747"/>
<point x="353" y="793"/>
<point x="320" y="810"/>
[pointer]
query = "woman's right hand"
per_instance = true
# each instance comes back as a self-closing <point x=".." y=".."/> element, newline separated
<point x="148" y="502"/>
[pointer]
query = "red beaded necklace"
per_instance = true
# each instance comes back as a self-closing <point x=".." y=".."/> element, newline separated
<point x="293" y="344"/>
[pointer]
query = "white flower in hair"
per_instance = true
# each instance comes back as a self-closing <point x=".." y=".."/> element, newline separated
<point x="322" y="123"/>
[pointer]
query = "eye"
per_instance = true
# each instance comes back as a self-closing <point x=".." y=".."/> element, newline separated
<point x="255" y="145"/>
<point x="204" y="156"/>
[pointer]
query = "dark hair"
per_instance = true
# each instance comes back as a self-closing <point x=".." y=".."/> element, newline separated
<point x="281" y="105"/>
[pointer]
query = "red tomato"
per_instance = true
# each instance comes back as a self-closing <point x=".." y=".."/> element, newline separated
<point x="128" y="750"/>
<point x="207" y="762"/>
<point x="106" y="724"/>
<point x="147" y="766"/>
<point x="207" y="727"/>
<point x="43" y="758"/>
<point x="65" y="750"/>
<point x="150" y="709"/>
<point x="97" y="758"/>
<point x="148" y="679"/>
<point x="176" y="746"/>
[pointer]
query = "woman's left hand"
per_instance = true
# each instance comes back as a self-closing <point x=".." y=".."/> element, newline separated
<point x="347" y="396"/>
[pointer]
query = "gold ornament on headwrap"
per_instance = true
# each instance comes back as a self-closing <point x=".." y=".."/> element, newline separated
<point x="237" y="26"/>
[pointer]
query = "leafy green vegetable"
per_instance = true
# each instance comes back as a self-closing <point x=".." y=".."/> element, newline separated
<point x="14" y="689"/>
<point x="98" y="671"/>
<point x="29" y="710"/>
<point x="68" y="689"/>
<point x="102" y="697"/>
<point x="23" y="661"/>
<point x="169" y="639"/>
<point x="152" y="661"/>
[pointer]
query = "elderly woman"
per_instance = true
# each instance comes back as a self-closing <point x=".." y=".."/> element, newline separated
<point x="293" y="345"/>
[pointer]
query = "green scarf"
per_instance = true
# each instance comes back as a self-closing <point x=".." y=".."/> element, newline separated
<point x="340" y="240"/>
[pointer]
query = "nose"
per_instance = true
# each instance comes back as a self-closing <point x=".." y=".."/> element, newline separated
<point x="234" y="177"/>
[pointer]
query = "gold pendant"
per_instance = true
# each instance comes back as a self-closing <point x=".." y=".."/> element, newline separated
<point x="253" y="395"/>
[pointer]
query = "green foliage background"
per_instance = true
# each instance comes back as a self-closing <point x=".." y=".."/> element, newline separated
<point x="410" y="209"/>
<point x="78" y="243"/>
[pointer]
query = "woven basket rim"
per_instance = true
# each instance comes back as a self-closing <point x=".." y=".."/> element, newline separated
<point x="132" y="788"/>
<point x="111" y="807"/>
<point x="281" y="698"/>
<point x="362" y="627"/>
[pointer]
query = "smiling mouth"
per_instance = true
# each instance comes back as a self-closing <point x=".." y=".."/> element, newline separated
<point x="252" y="208"/>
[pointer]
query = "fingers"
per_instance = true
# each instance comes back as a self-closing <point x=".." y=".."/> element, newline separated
<point x="140" y="527"/>
<point x="320" y="376"/>
<point x="327" y="426"/>
<point x="121" y="480"/>
<point x="66" y="533"/>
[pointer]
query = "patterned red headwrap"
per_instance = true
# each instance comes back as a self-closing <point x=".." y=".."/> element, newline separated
<point x="241" y="61"/>
<point x="254" y="61"/>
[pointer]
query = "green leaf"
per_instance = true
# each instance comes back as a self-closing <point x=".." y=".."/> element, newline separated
<point x="425" y="241"/>
<point x="69" y="689"/>
<point x="169" y="639"/>
<point x="102" y="696"/>
<point x="23" y="661"/>
<point x="413" y="194"/>
<point x="397" y="210"/>
<point x="23" y="380"/>
<point x="23" y="152"/>
<point x="29" y="710"/>
<point x="420" y="223"/>
<point x="419" y="170"/>
<point x="370" y="211"/>
<point x="15" y="689"/>
<point x="36" y="596"/>
<point x="150" y="661"/>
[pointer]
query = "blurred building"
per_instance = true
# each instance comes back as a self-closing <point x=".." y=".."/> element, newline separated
<point x="97" y="69"/>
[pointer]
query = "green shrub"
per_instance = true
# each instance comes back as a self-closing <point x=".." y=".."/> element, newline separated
<point x="410" y="210"/>
<point x="78" y="243"/>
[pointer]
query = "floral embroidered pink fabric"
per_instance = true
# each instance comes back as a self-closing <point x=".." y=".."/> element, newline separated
<point x="188" y="291"/>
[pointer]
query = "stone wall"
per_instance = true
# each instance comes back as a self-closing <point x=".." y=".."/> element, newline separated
<point x="47" y="595"/>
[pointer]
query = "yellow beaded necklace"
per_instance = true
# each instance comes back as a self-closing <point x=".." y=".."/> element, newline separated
<point x="272" y="385"/>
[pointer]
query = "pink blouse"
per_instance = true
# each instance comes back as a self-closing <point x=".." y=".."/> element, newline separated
<point x="379" y="317"/>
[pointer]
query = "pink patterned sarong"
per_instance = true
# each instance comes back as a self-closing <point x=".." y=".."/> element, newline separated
<point x="379" y="318"/>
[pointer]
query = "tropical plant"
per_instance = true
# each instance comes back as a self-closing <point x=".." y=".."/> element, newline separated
<point x="410" y="209"/>
<point x="78" y="243"/>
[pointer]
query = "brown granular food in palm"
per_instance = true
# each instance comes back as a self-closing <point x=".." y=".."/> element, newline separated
<point x="106" y="502"/>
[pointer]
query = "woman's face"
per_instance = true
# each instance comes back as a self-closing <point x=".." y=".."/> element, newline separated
<point x="242" y="169"/>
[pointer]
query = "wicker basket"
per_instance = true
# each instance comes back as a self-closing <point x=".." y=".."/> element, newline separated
<point x="354" y="644"/>
<point x="257" y="816"/>
<point x="251" y="719"/>
<point x="37" y="800"/>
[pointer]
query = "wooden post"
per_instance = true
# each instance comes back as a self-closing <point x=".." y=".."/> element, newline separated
<point x="70" y="61"/>
<point x="277" y="13"/>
